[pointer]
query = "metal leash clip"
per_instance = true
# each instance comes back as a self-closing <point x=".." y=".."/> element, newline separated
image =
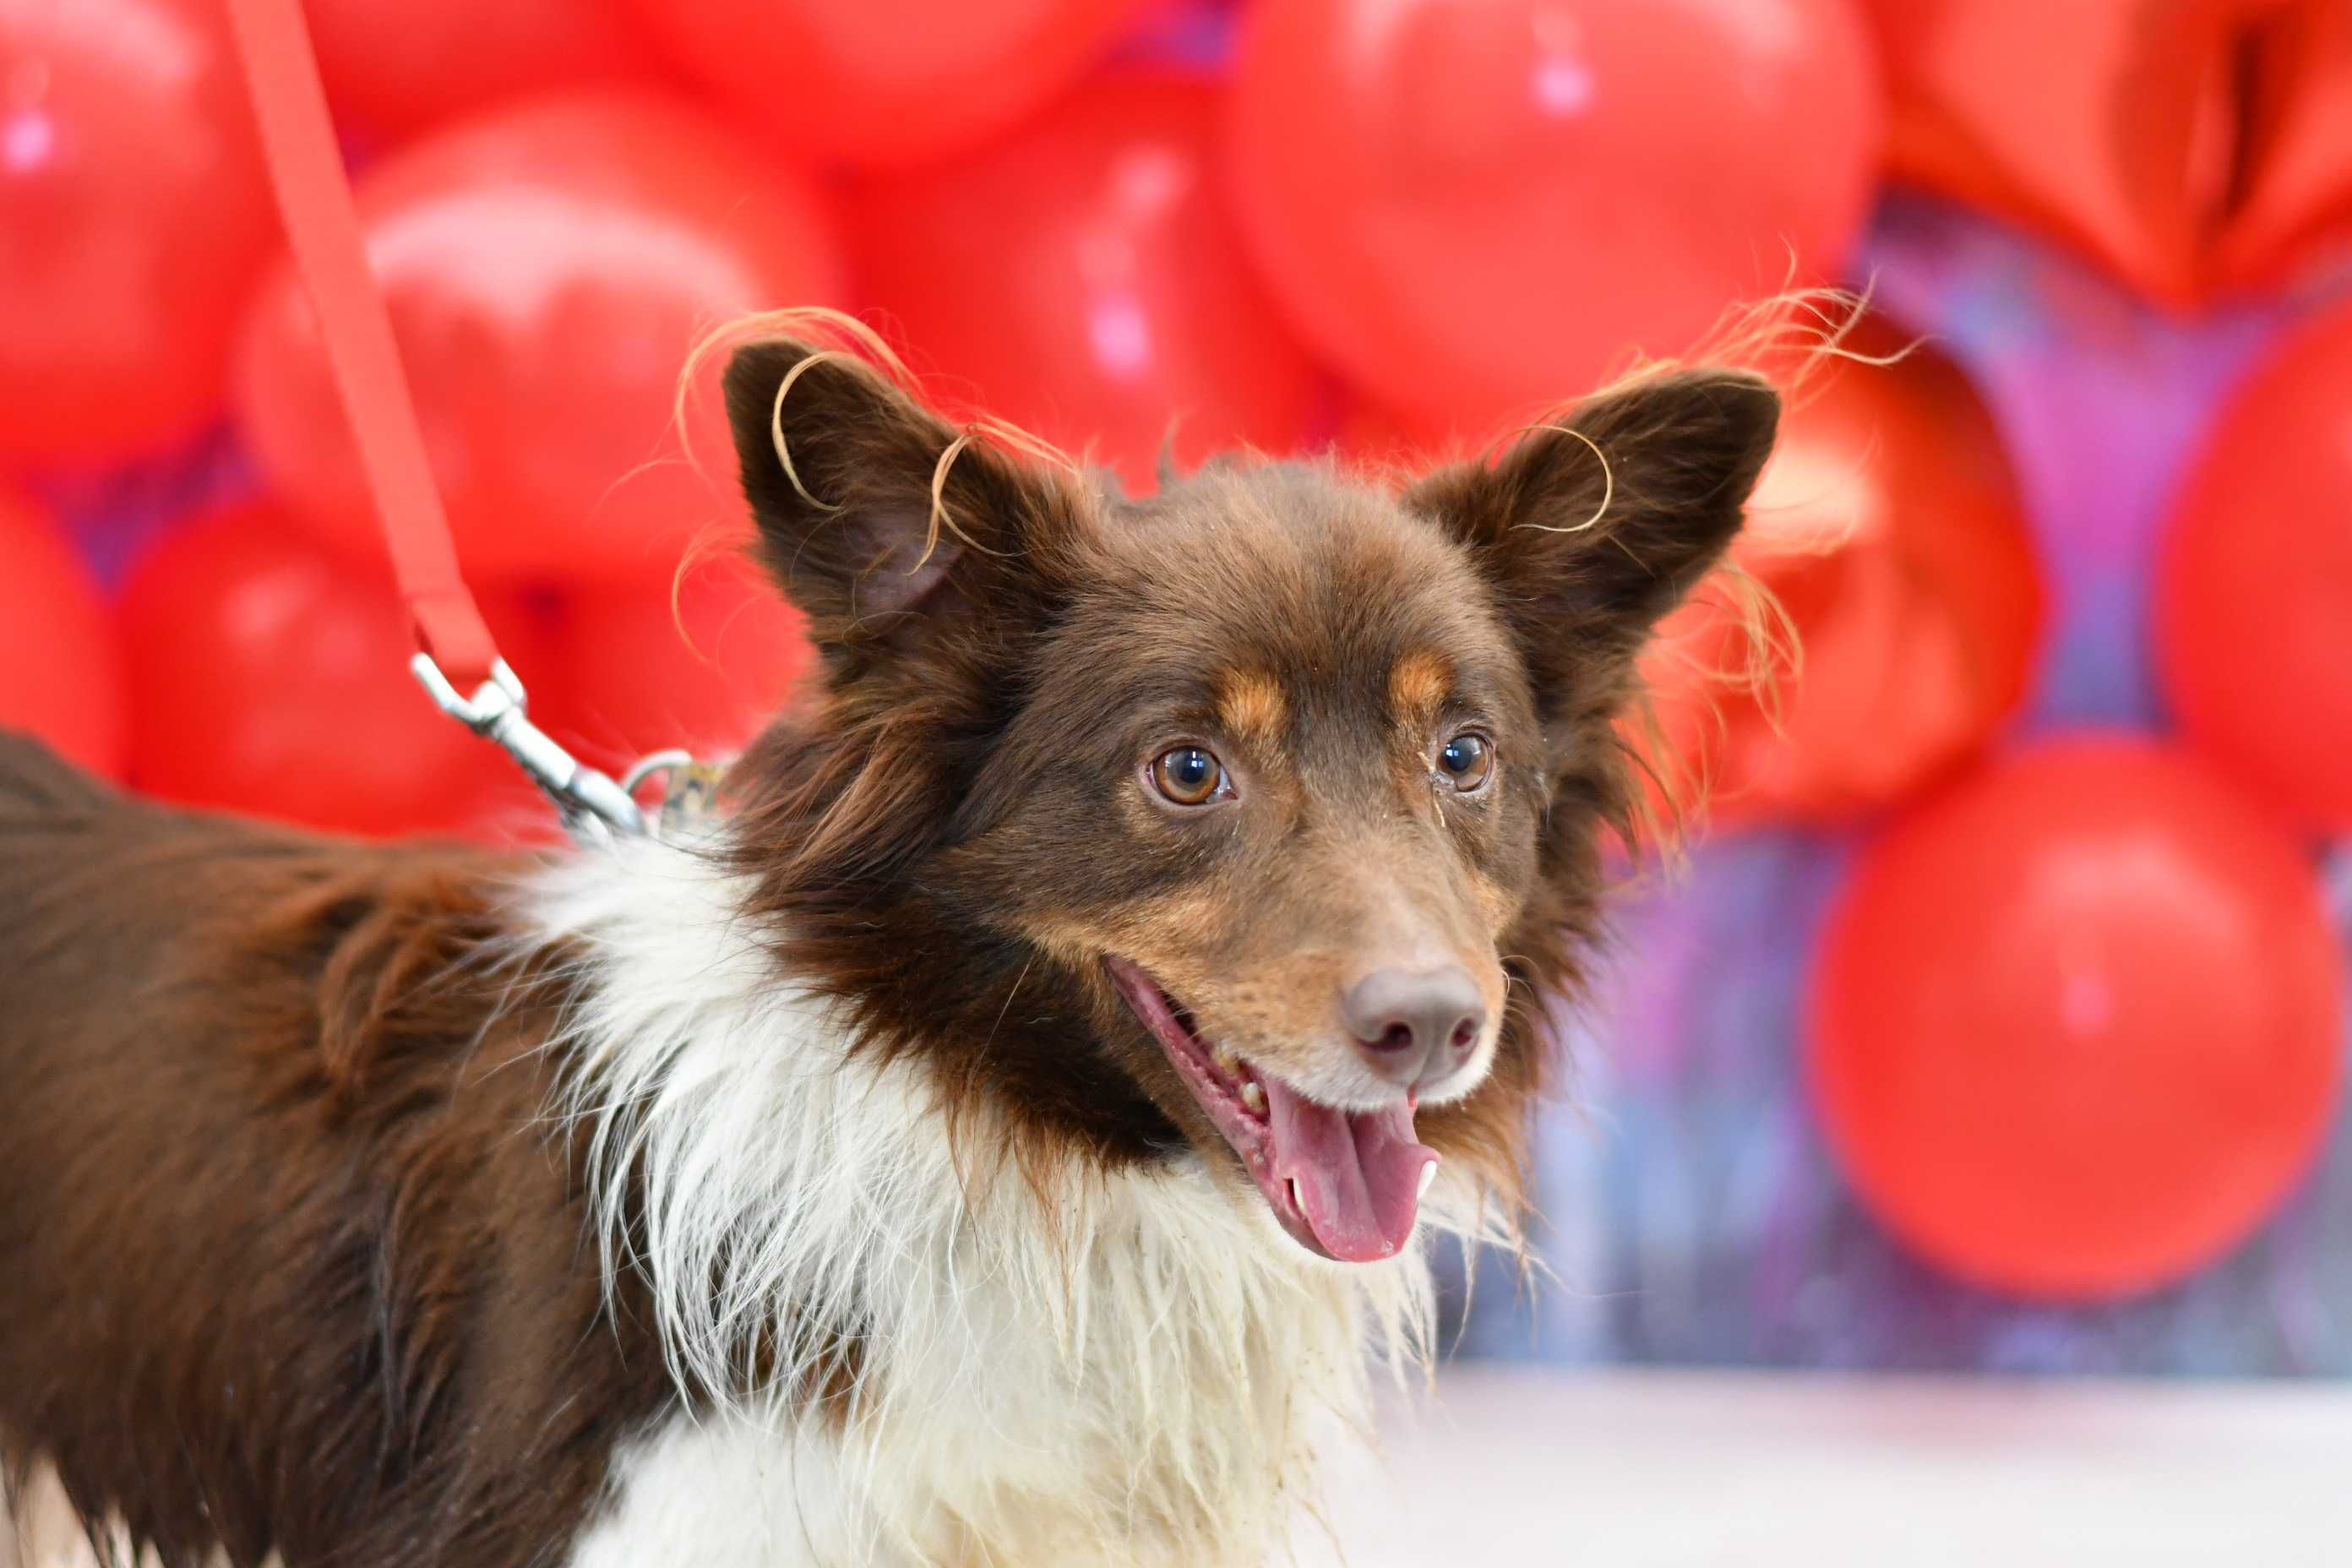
<point x="591" y="802"/>
<point x="689" y="791"/>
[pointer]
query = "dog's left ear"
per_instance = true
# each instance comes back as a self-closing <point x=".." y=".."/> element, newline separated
<point x="1592" y="530"/>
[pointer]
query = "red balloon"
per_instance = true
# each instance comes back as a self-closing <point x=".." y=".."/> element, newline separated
<point x="640" y="667"/>
<point x="548" y="270"/>
<point x="885" y="81"/>
<point x="1888" y="527"/>
<point x="1084" y="280"/>
<point x="397" y="68"/>
<point x="2253" y="604"/>
<point x="2124" y="127"/>
<point x="2297" y="207"/>
<point x="60" y="670"/>
<point x="2076" y="1023"/>
<point x="268" y="675"/>
<point x="134" y="214"/>
<point x="1479" y="210"/>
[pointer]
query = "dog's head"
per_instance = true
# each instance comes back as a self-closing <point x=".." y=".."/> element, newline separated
<point x="1245" y="822"/>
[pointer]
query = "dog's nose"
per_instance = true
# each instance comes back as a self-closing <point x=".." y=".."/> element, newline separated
<point x="1414" y="1025"/>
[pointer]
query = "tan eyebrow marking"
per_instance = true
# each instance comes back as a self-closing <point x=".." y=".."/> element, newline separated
<point x="1250" y="704"/>
<point x="1418" y="685"/>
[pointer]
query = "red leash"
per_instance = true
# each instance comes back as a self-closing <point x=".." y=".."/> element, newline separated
<point x="323" y="228"/>
<point x="314" y="199"/>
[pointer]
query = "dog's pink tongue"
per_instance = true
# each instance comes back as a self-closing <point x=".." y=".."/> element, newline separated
<point x="1359" y="1173"/>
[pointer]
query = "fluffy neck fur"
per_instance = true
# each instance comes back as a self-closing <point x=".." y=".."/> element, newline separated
<point x="1011" y="1360"/>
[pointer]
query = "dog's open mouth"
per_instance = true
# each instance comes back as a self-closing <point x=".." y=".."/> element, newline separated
<point x="1345" y="1184"/>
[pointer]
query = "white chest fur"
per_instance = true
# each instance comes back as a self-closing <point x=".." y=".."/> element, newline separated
<point x="1066" y="1368"/>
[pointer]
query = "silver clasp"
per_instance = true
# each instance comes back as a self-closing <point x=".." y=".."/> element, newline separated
<point x="588" y="802"/>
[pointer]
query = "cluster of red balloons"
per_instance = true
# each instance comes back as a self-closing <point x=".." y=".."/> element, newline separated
<point x="1462" y="210"/>
<point x="136" y="211"/>
<point x="547" y="265"/>
<point x="2078" y="1025"/>
<point x="1474" y="210"/>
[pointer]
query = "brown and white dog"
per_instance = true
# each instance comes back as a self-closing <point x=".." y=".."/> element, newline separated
<point x="1002" y="1140"/>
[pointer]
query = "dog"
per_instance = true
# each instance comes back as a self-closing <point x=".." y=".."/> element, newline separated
<point x="1009" y="1133"/>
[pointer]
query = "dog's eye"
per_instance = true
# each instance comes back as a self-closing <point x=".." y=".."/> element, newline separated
<point x="1467" y="760"/>
<point x="1187" y="775"/>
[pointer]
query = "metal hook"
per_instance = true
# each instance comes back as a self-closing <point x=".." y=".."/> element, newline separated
<point x="590" y="802"/>
<point x="653" y="763"/>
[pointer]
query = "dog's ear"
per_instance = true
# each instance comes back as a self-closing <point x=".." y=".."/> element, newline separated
<point x="881" y="522"/>
<point x="1590" y="531"/>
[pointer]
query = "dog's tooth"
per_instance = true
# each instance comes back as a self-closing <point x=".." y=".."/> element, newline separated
<point x="1428" y="1175"/>
<point x="1228" y="1062"/>
<point x="1253" y="1096"/>
<point x="1294" y="1196"/>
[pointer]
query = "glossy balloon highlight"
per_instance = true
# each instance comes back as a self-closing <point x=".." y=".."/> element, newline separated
<point x="133" y="216"/>
<point x="269" y="676"/>
<point x="1083" y="279"/>
<point x="548" y="270"/>
<point x="1478" y="211"/>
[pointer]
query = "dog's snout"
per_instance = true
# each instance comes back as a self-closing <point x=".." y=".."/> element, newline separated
<point x="1415" y="1025"/>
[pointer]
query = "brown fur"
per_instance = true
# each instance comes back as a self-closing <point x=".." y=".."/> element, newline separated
<point x="290" y="1254"/>
<point x="284" y="1259"/>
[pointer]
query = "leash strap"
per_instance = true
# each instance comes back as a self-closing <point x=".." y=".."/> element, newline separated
<point x="322" y="227"/>
<point x="314" y="199"/>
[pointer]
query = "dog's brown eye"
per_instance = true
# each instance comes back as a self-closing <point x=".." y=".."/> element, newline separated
<point x="1467" y="759"/>
<point x="1187" y="775"/>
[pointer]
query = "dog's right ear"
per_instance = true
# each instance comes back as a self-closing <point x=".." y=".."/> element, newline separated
<point x="882" y="522"/>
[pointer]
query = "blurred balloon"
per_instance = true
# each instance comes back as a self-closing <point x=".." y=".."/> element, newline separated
<point x="2295" y="203"/>
<point x="1478" y="210"/>
<point x="2144" y="131"/>
<point x="2076" y="1021"/>
<point x="1085" y="278"/>
<point x="268" y="675"/>
<point x="548" y="269"/>
<point x="885" y="81"/>
<point x="134" y="215"/>
<point x="60" y="670"/>
<point x="2253" y="600"/>
<point x="1888" y="527"/>
<point x="633" y="668"/>
<point x="396" y="68"/>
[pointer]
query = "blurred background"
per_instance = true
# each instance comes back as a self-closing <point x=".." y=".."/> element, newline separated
<point x="1991" y="1021"/>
